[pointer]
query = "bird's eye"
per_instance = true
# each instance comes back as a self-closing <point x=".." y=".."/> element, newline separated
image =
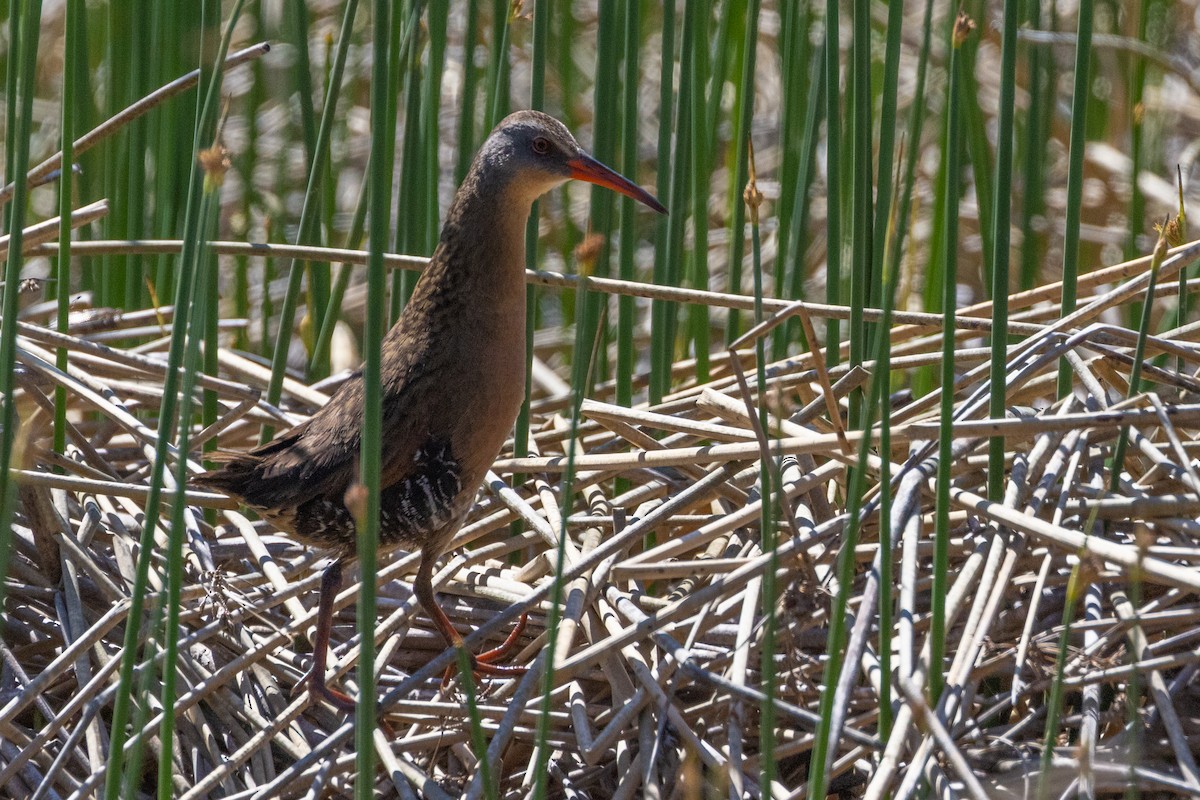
<point x="541" y="145"/>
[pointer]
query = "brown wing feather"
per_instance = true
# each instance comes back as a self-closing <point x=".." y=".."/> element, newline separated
<point x="319" y="458"/>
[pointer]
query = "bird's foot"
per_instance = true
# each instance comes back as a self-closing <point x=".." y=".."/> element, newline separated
<point x="318" y="689"/>
<point x="484" y="663"/>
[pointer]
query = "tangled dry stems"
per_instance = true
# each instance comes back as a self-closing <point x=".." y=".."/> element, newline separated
<point x="659" y="642"/>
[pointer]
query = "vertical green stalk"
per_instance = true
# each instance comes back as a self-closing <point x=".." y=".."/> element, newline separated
<point x="498" y="67"/>
<point x="1136" y="111"/>
<point x="1002" y="212"/>
<point x="796" y="82"/>
<point x="887" y="146"/>
<point x="661" y="350"/>
<point x="916" y="123"/>
<point x="111" y="287"/>
<point x="1138" y="146"/>
<point x="978" y="146"/>
<point x="681" y="176"/>
<point x="466" y="110"/>
<point x="1076" y="585"/>
<point x="941" y="547"/>
<point x="10" y="90"/>
<point x="770" y="545"/>
<point x="743" y="108"/>
<point x="726" y="47"/>
<point x="882" y="384"/>
<point x="923" y="379"/>
<point x="833" y="172"/>
<point x="1139" y="355"/>
<point x="203" y="276"/>
<point x="206" y="117"/>
<point x="697" y="313"/>
<point x="475" y="721"/>
<point x="66" y="184"/>
<point x="26" y="68"/>
<point x="409" y="230"/>
<point x="318" y="272"/>
<point x="626" y="358"/>
<point x="371" y="447"/>
<point x="308" y="214"/>
<point x="135" y="293"/>
<point x="172" y="163"/>
<point x="609" y="40"/>
<point x="862" y="186"/>
<point x="537" y="101"/>
<point x="438" y="18"/>
<point x="1037" y="134"/>
<point x="297" y="30"/>
<point x="1079" y="102"/>
<point x="797" y="238"/>
<point x="579" y="378"/>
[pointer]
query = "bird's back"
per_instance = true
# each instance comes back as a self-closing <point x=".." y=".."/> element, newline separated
<point x="453" y="383"/>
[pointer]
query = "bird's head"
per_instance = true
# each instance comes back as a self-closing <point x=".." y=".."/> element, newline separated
<point x="533" y="152"/>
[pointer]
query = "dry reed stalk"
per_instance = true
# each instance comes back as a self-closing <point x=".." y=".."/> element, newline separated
<point x="659" y="645"/>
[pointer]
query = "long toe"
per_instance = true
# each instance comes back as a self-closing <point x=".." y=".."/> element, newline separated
<point x="318" y="689"/>
<point x="506" y="647"/>
<point x="481" y="668"/>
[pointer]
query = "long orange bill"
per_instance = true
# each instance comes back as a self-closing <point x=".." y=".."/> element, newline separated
<point x="586" y="168"/>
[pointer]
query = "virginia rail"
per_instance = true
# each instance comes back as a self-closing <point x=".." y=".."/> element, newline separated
<point x="453" y="382"/>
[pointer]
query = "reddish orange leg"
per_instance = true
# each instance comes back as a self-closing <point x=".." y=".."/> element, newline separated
<point x="331" y="583"/>
<point x="480" y="664"/>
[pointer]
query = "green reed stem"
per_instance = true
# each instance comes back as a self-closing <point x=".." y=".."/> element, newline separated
<point x="203" y="274"/>
<point x="887" y="146"/>
<point x="66" y="184"/>
<point x="833" y="182"/>
<point x="470" y="79"/>
<point x="1002" y="213"/>
<point x="661" y="349"/>
<point x="862" y="187"/>
<point x="371" y="447"/>
<point x="798" y="222"/>
<point x="296" y="28"/>
<point x="498" y="67"/>
<point x="626" y="309"/>
<point x="1075" y="588"/>
<point x="210" y="83"/>
<point x="308" y="214"/>
<point x="579" y="381"/>
<point x="949" y="246"/>
<point x="1079" y="102"/>
<point x="24" y="64"/>
<point x="1036" y="136"/>
<point x="697" y="315"/>
<point x="1139" y="355"/>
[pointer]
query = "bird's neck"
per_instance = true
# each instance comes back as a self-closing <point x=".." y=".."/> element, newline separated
<point x="481" y="252"/>
<point x="478" y="269"/>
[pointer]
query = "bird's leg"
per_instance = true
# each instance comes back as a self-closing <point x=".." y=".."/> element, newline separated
<point x="482" y="663"/>
<point x="331" y="583"/>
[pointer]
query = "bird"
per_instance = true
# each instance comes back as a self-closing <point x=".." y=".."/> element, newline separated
<point x="453" y="369"/>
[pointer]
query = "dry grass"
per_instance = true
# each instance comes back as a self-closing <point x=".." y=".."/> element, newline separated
<point x="659" y="643"/>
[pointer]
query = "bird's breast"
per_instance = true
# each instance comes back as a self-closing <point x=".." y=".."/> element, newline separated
<point x="493" y="385"/>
